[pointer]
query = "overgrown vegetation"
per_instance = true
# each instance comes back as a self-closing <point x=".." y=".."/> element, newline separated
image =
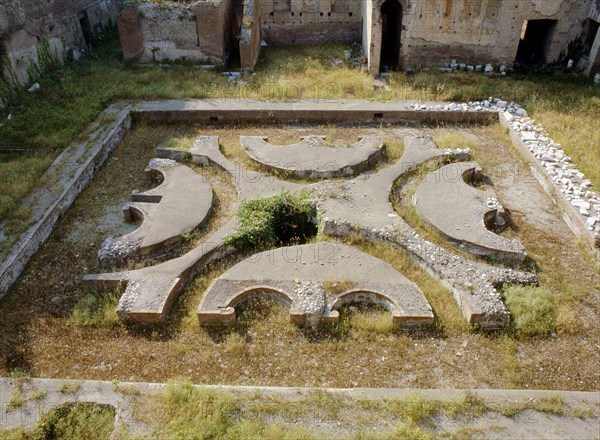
<point x="283" y="219"/>
<point x="69" y="421"/>
<point x="186" y="411"/>
<point x="534" y="310"/>
<point x="96" y="308"/>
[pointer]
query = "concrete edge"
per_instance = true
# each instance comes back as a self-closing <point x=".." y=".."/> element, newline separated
<point x="36" y="235"/>
<point x="118" y="395"/>
<point x="568" y="212"/>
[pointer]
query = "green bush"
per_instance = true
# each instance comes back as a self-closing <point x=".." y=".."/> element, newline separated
<point x="96" y="309"/>
<point x="274" y="221"/>
<point x="534" y="309"/>
<point x="72" y="421"/>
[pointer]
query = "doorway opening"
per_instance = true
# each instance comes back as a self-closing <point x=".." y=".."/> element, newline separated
<point x="86" y="28"/>
<point x="391" y="30"/>
<point x="590" y="30"/>
<point x="536" y="36"/>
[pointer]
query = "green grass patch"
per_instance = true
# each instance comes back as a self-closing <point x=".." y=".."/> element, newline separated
<point x="453" y="141"/>
<point x="177" y="143"/>
<point x="72" y="421"/>
<point x="534" y="310"/>
<point x="96" y="309"/>
<point x="282" y="219"/>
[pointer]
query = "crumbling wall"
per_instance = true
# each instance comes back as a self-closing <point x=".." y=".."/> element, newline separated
<point x="250" y="35"/>
<point x="24" y="24"/>
<point x="196" y="31"/>
<point x="594" y="57"/>
<point x="218" y="27"/>
<point x="169" y="33"/>
<point x="311" y="21"/>
<point x="475" y="31"/>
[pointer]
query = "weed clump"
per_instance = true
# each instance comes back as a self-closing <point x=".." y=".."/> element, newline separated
<point x="77" y="420"/>
<point x="279" y="220"/>
<point x="96" y="309"/>
<point x="534" y="309"/>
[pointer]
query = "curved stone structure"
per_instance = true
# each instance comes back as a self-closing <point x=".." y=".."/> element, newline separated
<point x="313" y="156"/>
<point x="366" y="210"/>
<point x="347" y="207"/>
<point x="150" y="292"/>
<point x="180" y="204"/>
<point x="300" y="277"/>
<point x="462" y="213"/>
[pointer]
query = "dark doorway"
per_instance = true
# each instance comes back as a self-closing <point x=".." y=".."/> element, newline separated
<point x="232" y="36"/>
<point x="590" y="29"/>
<point x="536" y="36"/>
<point x="86" y="28"/>
<point x="3" y="57"/>
<point x="391" y="30"/>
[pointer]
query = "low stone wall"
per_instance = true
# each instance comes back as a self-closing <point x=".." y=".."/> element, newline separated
<point x="84" y="161"/>
<point x="288" y="28"/>
<point x="584" y="223"/>
<point x="232" y="110"/>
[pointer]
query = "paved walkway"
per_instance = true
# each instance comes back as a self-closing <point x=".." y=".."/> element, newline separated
<point x="527" y="424"/>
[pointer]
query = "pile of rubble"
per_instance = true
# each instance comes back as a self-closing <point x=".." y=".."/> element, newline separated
<point x="557" y="165"/>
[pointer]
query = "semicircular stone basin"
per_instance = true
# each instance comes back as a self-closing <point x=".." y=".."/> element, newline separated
<point x="460" y="211"/>
<point x="314" y="157"/>
<point x="180" y="204"/>
<point x="315" y="280"/>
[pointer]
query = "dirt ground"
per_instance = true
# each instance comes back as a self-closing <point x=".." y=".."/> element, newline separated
<point x="36" y="337"/>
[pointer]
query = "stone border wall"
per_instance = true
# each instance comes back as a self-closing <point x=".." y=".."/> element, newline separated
<point x="37" y="234"/>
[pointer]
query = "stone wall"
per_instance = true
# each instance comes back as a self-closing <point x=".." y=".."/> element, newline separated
<point x="64" y="23"/>
<point x="169" y="33"/>
<point x="478" y="31"/>
<point x="199" y="32"/>
<point x="250" y="35"/>
<point x="423" y="32"/>
<point x="594" y="57"/>
<point x="311" y="21"/>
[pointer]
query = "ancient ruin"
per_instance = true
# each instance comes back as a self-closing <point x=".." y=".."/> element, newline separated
<point x="393" y="34"/>
<point x="362" y="244"/>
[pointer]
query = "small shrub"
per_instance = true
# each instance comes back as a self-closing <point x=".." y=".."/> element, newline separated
<point x="534" y="309"/>
<point x="69" y="388"/>
<point x="77" y="421"/>
<point x="274" y="221"/>
<point x="96" y="309"/>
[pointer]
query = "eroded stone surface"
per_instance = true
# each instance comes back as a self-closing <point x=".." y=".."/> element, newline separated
<point x="365" y="209"/>
<point x="313" y="156"/>
<point x="461" y="212"/>
<point x="180" y="204"/>
<point x="150" y="292"/>
<point x="300" y="276"/>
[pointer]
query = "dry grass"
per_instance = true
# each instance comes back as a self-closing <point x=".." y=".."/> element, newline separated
<point x="264" y="348"/>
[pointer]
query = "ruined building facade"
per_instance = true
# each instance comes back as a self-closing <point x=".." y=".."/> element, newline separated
<point x="63" y="24"/>
<point x="393" y="33"/>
